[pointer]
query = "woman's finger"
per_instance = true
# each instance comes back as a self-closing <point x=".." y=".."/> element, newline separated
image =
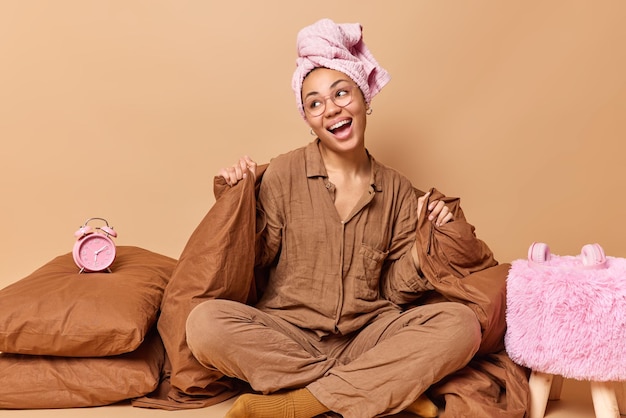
<point x="420" y="203"/>
<point x="243" y="168"/>
<point x="224" y="173"/>
<point x="435" y="208"/>
<point x="442" y="216"/>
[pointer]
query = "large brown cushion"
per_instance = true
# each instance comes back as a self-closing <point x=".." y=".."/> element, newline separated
<point x="56" y="311"/>
<point x="484" y="292"/>
<point x="29" y="382"/>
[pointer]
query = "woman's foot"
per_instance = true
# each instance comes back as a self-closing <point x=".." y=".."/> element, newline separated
<point x="424" y="407"/>
<point x="298" y="403"/>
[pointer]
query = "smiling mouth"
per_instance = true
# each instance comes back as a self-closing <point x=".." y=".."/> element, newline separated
<point x="337" y="126"/>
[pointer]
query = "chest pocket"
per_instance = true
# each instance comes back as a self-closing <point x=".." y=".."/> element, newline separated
<point x="368" y="277"/>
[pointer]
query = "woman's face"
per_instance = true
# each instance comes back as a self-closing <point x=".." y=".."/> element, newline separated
<point x="338" y="128"/>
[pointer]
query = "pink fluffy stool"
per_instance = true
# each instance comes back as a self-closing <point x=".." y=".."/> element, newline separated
<point x="566" y="318"/>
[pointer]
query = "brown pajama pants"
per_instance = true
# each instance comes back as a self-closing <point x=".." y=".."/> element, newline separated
<point x="379" y="370"/>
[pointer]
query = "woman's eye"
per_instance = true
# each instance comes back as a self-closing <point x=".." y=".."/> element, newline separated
<point x="341" y="93"/>
<point x="313" y="104"/>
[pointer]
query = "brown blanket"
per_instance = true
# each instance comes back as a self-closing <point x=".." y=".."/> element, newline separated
<point x="462" y="268"/>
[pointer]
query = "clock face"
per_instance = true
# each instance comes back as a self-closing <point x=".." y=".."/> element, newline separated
<point x="95" y="252"/>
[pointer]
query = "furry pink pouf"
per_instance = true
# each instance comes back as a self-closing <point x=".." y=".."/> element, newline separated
<point x="566" y="320"/>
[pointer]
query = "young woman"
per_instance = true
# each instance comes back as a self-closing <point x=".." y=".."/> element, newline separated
<point x="330" y="333"/>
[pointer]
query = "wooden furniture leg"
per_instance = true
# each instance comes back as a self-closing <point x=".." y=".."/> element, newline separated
<point x="620" y="393"/>
<point x="604" y="399"/>
<point x="555" y="389"/>
<point x="539" y="384"/>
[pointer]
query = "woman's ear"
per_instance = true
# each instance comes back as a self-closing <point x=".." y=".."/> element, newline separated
<point x="306" y="120"/>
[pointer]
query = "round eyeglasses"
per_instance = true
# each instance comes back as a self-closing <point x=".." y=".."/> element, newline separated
<point x="315" y="104"/>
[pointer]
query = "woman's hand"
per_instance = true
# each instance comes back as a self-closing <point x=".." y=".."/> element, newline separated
<point x="438" y="212"/>
<point x="238" y="171"/>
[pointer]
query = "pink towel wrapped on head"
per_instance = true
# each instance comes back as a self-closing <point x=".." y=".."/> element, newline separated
<point x="337" y="47"/>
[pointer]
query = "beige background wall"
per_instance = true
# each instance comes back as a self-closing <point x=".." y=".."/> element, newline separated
<point x="127" y="109"/>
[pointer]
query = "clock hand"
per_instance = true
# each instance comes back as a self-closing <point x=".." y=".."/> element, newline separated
<point x="95" y="253"/>
<point x="101" y="249"/>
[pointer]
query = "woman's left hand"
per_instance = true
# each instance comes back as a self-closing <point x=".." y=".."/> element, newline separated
<point x="238" y="171"/>
<point x="438" y="212"/>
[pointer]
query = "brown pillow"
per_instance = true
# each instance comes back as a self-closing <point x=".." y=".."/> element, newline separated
<point x="56" y="311"/>
<point x="485" y="293"/>
<point x="217" y="262"/>
<point x="30" y="382"/>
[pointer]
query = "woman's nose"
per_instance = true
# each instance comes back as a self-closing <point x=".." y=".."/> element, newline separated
<point x="330" y="107"/>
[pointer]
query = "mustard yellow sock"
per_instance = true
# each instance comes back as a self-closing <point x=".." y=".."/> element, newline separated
<point x="423" y="407"/>
<point x="298" y="403"/>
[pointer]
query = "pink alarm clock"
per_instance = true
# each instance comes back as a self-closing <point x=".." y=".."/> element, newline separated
<point x="94" y="250"/>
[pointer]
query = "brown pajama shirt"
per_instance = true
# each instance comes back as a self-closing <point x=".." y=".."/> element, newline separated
<point x="330" y="317"/>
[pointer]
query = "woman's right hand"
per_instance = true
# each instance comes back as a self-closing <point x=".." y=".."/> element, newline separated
<point x="238" y="171"/>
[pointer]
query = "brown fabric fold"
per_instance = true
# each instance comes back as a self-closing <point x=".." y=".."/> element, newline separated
<point x="462" y="269"/>
<point x="450" y="250"/>
<point x="489" y="386"/>
<point x="217" y="262"/>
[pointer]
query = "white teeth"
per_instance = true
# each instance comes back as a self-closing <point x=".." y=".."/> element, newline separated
<point x="338" y="125"/>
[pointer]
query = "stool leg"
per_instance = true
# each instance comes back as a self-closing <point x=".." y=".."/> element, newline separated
<point x="604" y="400"/>
<point x="539" y="384"/>
<point x="555" y="389"/>
<point x="620" y="393"/>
